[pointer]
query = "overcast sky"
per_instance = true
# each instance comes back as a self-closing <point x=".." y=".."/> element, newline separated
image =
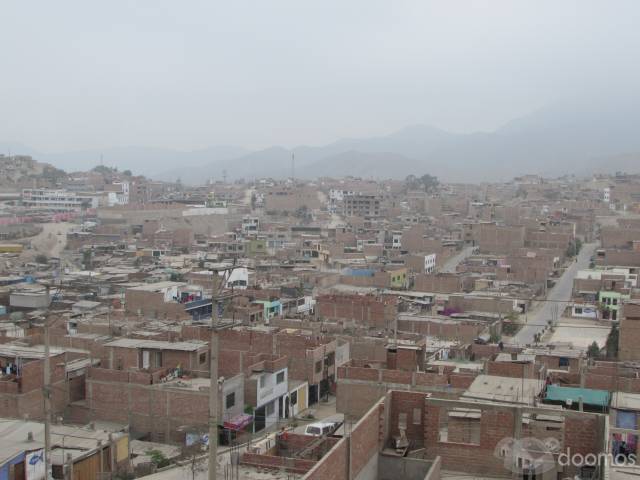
<point x="185" y="75"/>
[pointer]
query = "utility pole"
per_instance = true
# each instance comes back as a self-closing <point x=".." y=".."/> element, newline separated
<point x="213" y="398"/>
<point x="217" y="299"/>
<point x="47" y="400"/>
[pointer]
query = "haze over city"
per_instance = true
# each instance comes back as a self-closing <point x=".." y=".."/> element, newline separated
<point x="94" y="78"/>
<point x="295" y="240"/>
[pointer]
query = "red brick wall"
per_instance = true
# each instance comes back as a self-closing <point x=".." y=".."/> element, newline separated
<point x="438" y="283"/>
<point x="293" y="465"/>
<point x="366" y="439"/>
<point x="629" y="333"/>
<point x="478" y="459"/>
<point x="511" y="369"/>
<point x="334" y="465"/>
<point x="406" y="403"/>
<point x="463" y="331"/>
<point x="368" y="310"/>
<point x="159" y="412"/>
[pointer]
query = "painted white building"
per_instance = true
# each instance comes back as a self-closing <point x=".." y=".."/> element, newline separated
<point x="58" y="200"/>
<point x="430" y="263"/>
<point x="306" y="305"/>
<point x="238" y="278"/>
<point x="119" y="196"/>
<point x="250" y="224"/>
<point x="396" y="239"/>
<point x="582" y="310"/>
<point x="271" y="387"/>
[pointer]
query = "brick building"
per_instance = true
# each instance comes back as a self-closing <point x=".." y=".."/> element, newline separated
<point x="629" y="335"/>
<point x="373" y="311"/>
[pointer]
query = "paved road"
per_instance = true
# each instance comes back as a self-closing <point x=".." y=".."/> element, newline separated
<point x="560" y="295"/>
<point x="451" y="264"/>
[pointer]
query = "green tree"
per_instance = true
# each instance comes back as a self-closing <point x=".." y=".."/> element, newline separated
<point x="429" y="182"/>
<point x="426" y="182"/>
<point x="611" y="344"/>
<point x="303" y="214"/>
<point x="593" y="351"/>
<point x="86" y="259"/>
<point x="574" y="248"/>
<point x="158" y="458"/>
<point x="103" y="169"/>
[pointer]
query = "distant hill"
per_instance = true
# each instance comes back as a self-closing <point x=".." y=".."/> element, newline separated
<point x="581" y="138"/>
<point x="565" y="138"/>
<point x="159" y="163"/>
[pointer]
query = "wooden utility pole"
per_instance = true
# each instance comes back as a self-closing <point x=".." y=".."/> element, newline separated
<point x="47" y="400"/>
<point x="217" y="312"/>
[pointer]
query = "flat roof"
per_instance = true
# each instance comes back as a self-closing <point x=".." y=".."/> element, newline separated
<point x="13" y="438"/>
<point x="625" y="401"/>
<point x="9" y="350"/>
<point x="504" y="389"/>
<point x="157" y="286"/>
<point x="156" y="344"/>
<point x="520" y="357"/>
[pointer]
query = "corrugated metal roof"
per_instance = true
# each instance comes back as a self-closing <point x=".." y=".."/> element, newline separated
<point x="589" y="396"/>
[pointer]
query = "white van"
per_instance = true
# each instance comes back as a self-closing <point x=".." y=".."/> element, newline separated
<point x="320" y="428"/>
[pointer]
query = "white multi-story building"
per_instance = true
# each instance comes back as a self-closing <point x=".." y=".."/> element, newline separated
<point x="271" y="387"/>
<point x="118" y="194"/>
<point x="58" y="200"/>
<point x="396" y="239"/>
<point x="430" y="263"/>
<point x="336" y="197"/>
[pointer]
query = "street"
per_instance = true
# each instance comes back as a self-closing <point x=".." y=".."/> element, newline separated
<point x="559" y="297"/>
<point x="451" y="264"/>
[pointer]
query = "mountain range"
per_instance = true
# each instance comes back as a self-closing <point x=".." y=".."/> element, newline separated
<point x="567" y="138"/>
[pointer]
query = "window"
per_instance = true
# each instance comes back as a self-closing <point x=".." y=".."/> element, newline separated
<point x="563" y="362"/>
<point x="263" y="381"/>
<point x="230" y="400"/>
<point x="294" y="398"/>
<point x="417" y="416"/>
<point x="402" y="420"/>
<point x="459" y="426"/>
<point x="280" y="377"/>
<point x="318" y="366"/>
<point x="271" y="408"/>
<point x="331" y="358"/>
<point x="203" y="358"/>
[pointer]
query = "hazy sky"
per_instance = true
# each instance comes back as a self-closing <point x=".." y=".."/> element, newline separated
<point x="188" y="74"/>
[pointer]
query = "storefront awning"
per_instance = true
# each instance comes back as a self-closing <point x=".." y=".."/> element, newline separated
<point x="238" y="422"/>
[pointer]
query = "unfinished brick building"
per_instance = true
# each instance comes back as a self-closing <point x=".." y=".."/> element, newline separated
<point x="373" y="311"/>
